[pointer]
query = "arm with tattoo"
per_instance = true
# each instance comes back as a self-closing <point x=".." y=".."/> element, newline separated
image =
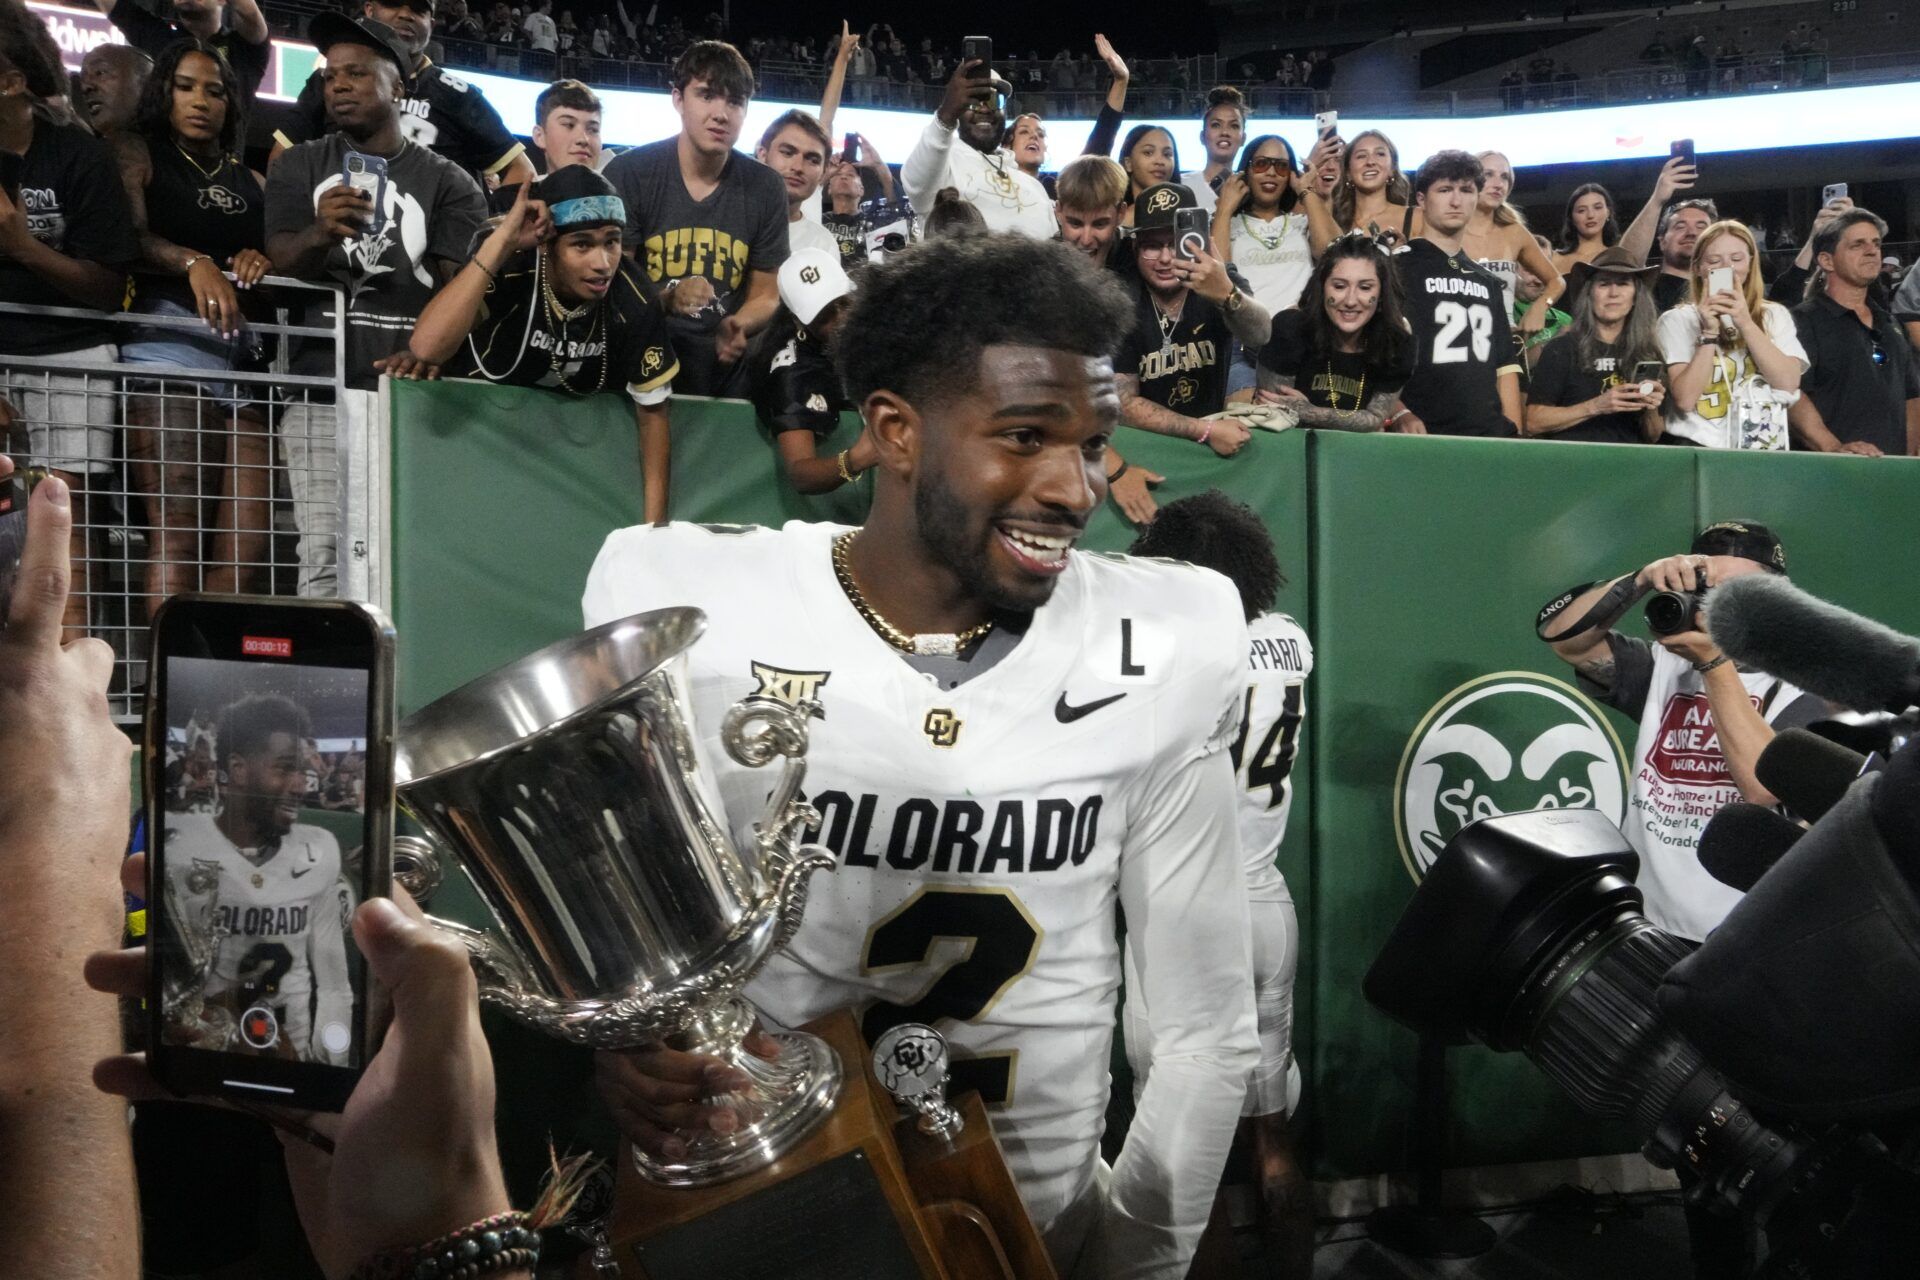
<point x="1578" y="623"/>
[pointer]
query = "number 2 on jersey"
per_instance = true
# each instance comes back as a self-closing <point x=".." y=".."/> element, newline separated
<point x="1001" y="941"/>
<point x="1455" y="318"/>
<point x="1272" y="761"/>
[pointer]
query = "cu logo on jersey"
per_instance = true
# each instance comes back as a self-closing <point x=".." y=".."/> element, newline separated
<point x="942" y="727"/>
<point x="228" y="202"/>
<point x="652" y="360"/>
<point x="1163" y="201"/>
<point x="1504" y="743"/>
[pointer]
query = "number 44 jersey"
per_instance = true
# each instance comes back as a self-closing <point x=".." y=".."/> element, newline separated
<point x="984" y="836"/>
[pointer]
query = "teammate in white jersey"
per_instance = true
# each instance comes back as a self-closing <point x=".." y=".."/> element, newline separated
<point x="269" y="888"/>
<point x="990" y="809"/>
<point x="1212" y="530"/>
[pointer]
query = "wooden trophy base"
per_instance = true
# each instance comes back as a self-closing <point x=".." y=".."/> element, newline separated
<point x="865" y="1196"/>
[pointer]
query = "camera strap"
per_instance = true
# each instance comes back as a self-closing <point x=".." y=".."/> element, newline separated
<point x="1605" y="611"/>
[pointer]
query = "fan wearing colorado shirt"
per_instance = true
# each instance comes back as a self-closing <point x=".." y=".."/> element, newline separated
<point x="1014" y="740"/>
<point x="274" y="888"/>
<point x="1215" y="532"/>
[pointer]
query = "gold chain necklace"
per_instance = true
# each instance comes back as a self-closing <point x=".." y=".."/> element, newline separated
<point x="933" y="643"/>
<point x="1359" y="396"/>
<point x="208" y="174"/>
<point x="1271" y="243"/>
<point x="561" y="317"/>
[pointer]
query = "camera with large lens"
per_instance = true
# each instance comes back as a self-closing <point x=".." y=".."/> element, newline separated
<point x="1527" y="934"/>
<point x="1671" y="612"/>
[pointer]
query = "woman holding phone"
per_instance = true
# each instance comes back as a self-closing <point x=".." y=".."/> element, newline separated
<point x="1734" y="359"/>
<point x="1372" y="195"/>
<point x="200" y="443"/>
<point x="1602" y="380"/>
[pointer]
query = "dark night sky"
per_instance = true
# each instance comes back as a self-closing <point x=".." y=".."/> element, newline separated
<point x="1135" y="29"/>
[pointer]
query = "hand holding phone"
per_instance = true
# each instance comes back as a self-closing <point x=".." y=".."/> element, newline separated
<point x="850" y="149"/>
<point x="256" y="988"/>
<point x="368" y="174"/>
<point x="980" y="47"/>
<point x="1190" y="233"/>
<point x="1683" y="150"/>
<point x="1833" y="191"/>
<point x="1326" y="123"/>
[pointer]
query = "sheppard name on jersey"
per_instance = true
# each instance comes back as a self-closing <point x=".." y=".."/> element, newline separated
<point x="964" y="836"/>
<point x="1277" y="654"/>
<point x="1180" y="358"/>
<point x="254" y="922"/>
<point x="1459" y="284"/>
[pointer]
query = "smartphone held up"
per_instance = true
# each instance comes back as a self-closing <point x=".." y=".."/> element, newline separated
<point x="269" y="814"/>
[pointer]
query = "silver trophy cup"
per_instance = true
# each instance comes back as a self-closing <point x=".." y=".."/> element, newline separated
<point x="570" y="789"/>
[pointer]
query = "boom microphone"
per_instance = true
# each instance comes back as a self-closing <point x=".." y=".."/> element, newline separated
<point x="1742" y="842"/>
<point x="1765" y="622"/>
<point x="1809" y="773"/>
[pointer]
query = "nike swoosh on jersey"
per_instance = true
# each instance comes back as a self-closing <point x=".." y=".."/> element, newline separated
<point x="300" y="871"/>
<point x="1067" y="714"/>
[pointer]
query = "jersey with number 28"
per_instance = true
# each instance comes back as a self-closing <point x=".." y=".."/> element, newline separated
<point x="1461" y="338"/>
<point x="984" y="834"/>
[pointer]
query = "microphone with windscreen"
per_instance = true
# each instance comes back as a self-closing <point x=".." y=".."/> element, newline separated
<point x="1742" y="842"/>
<point x="1763" y="621"/>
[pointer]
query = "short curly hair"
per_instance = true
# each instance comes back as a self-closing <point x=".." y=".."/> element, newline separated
<point x="27" y="46"/>
<point x="920" y="320"/>
<point x="246" y="727"/>
<point x="1215" y="532"/>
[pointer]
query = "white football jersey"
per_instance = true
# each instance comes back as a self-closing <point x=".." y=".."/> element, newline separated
<point x="278" y="917"/>
<point x="985" y="835"/>
<point x="1279" y="660"/>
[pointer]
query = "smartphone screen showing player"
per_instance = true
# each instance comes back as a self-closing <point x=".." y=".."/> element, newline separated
<point x="269" y="813"/>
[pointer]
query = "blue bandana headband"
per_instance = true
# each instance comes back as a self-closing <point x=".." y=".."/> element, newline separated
<point x="588" y="209"/>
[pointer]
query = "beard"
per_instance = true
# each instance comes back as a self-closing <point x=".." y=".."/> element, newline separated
<point x="947" y="528"/>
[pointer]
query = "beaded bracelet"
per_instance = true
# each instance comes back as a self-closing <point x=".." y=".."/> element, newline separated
<point x="503" y="1242"/>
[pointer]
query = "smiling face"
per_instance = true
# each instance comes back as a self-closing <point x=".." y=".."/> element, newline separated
<point x="1497" y="184"/>
<point x="799" y="158"/>
<point x="199" y="101"/>
<point x="1151" y="160"/>
<point x="264" y="788"/>
<point x="1683" y="230"/>
<point x="1224" y="130"/>
<point x="584" y="262"/>
<point x="982" y="122"/>
<point x="1352" y="294"/>
<point x="1006" y="476"/>
<point x="710" y="119"/>
<point x="1369" y="165"/>
<point x="569" y="136"/>
<point x="1154" y="255"/>
<point x="1269" y="174"/>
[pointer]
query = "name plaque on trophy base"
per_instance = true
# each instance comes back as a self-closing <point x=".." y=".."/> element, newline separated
<point x="837" y="1205"/>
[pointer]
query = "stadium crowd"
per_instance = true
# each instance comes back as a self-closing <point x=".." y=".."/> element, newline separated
<point x="1266" y="283"/>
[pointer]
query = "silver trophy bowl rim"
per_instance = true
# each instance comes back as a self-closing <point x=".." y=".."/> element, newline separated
<point x="508" y="707"/>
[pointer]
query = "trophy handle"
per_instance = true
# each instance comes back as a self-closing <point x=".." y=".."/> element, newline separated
<point x="755" y="731"/>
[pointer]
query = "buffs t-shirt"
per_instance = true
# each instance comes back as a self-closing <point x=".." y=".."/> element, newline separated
<point x="519" y="340"/>
<point x="1182" y="366"/>
<point x="441" y="112"/>
<point x="741" y="227"/>
<point x="1560" y="379"/>
<point x="151" y="36"/>
<point x="1338" y="380"/>
<point x="71" y="194"/>
<point x="431" y="209"/>
<point x="1462" y="342"/>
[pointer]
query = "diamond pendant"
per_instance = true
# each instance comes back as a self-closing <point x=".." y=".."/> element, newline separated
<point x="936" y="644"/>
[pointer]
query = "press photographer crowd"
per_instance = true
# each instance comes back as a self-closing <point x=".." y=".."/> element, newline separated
<point x="834" y="856"/>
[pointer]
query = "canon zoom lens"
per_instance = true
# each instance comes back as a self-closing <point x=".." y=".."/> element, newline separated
<point x="1671" y="612"/>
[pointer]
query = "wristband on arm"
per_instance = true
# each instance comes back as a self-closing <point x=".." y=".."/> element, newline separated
<point x="1607" y="610"/>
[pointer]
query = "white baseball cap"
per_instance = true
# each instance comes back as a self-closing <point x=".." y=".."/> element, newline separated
<point x="809" y="280"/>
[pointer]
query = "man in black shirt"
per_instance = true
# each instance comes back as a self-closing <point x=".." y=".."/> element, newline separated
<point x="440" y="111"/>
<point x="237" y="29"/>
<point x="1680" y="227"/>
<point x="568" y="312"/>
<point x="112" y="77"/>
<point x="1172" y="368"/>
<point x="1466" y="379"/>
<point x="1862" y="393"/>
